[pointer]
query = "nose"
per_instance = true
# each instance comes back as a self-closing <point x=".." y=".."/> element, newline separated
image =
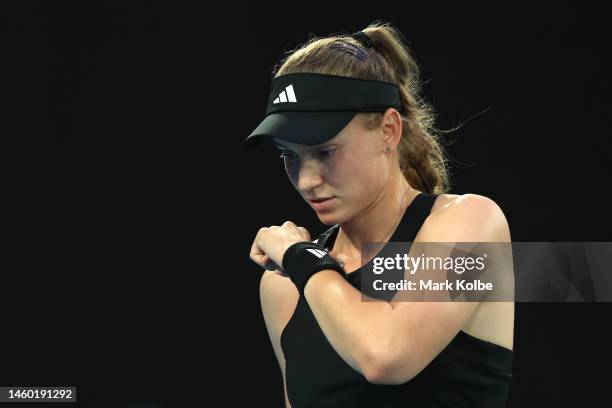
<point x="309" y="176"/>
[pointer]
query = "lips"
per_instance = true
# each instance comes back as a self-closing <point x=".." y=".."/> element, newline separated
<point x="318" y="200"/>
<point x="323" y="204"/>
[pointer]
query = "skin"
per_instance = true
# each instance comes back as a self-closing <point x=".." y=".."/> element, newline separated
<point x="387" y="342"/>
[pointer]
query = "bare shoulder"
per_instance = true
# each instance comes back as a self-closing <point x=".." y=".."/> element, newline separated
<point x="278" y="297"/>
<point x="474" y="218"/>
<point x="466" y="217"/>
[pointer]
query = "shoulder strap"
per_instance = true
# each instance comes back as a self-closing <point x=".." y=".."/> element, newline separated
<point x="414" y="217"/>
<point x="410" y="225"/>
<point x="327" y="236"/>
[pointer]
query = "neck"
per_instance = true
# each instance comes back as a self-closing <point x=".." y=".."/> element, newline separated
<point x="376" y="222"/>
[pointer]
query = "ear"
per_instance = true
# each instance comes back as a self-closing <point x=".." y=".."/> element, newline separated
<point x="392" y="127"/>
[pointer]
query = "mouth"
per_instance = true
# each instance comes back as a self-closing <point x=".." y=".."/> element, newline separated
<point x="319" y="200"/>
<point x="322" y="204"/>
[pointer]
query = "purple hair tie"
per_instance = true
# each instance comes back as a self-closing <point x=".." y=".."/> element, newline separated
<point x="351" y="49"/>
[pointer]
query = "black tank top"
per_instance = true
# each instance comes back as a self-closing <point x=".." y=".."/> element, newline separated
<point x="469" y="372"/>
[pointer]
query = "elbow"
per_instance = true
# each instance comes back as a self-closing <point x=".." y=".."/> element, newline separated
<point x="383" y="367"/>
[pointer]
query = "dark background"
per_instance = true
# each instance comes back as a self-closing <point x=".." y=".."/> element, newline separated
<point x="130" y="207"/>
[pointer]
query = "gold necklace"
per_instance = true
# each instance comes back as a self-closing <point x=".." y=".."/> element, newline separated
<point x="342" y="262"/>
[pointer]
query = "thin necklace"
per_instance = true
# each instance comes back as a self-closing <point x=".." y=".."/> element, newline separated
<point x="342" y="262"/>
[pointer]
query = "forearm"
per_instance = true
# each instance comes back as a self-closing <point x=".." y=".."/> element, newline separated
<point x="358" y="330"/>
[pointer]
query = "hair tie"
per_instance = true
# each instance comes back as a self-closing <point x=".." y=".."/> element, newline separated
<point x="352" y="49"/>
<point x="363" y="39"/>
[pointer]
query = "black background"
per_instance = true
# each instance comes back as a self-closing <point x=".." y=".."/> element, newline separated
<point x="130" y="207"/>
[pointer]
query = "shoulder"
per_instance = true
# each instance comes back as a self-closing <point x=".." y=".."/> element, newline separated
<point x="466" y="217"/>
<point x="278" y="297"/>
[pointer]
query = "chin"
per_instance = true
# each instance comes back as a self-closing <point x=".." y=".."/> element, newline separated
<point x="331" y="218"/>
<point x="328" y="218"/>
<point x="328" y="222"/>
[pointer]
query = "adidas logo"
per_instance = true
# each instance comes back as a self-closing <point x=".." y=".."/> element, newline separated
<point x="317" y="252"/>
<point x="288" y="95"/>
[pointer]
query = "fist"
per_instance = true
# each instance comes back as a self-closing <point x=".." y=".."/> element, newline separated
<point x="271" y="243"/>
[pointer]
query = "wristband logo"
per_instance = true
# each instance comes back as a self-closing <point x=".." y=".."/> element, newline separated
<point x="317" y="252"/>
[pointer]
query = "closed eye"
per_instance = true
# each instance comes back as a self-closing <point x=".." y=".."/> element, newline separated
<point x="327" y="153"/>
<point x="323" y="154"/>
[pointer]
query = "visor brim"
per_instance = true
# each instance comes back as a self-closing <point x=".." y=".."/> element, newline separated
<point x="308" y="128"/>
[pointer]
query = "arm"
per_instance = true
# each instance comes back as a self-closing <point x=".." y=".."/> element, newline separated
<point x="278" y="298"/>
<point x="287" y="404"/>
<point x="391" y="342"/>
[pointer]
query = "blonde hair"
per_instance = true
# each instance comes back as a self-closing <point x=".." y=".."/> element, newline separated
<point x="420" y="153"/>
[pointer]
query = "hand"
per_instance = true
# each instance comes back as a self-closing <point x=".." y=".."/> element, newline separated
<point x="271" y="243"/>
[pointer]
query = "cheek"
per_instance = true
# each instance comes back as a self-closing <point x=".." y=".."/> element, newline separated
<point x="292" y="170"/>
<point x="339" y="170"/>
<point x="355" y="177"/>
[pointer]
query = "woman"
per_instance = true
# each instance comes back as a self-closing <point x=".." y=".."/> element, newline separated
<point x="357" y="143"/>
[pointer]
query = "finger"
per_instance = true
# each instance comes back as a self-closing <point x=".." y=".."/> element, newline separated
<point x="304" y="233"/>
<point x="255" y="250"/>
<point x="271" y="266"/>
<point x="254" y="245"/>
<point x="264" y="261"/>
<point x="257" y="255"/>
<point x="259" y="260"/>
<point x="289" y="224"/>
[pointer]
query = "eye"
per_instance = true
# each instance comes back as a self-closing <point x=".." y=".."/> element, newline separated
<point x="322" y="154"/>
<point x="327" y="153"/>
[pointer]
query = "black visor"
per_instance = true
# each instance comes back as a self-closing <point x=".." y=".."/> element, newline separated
<point x="310" y="108"/>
